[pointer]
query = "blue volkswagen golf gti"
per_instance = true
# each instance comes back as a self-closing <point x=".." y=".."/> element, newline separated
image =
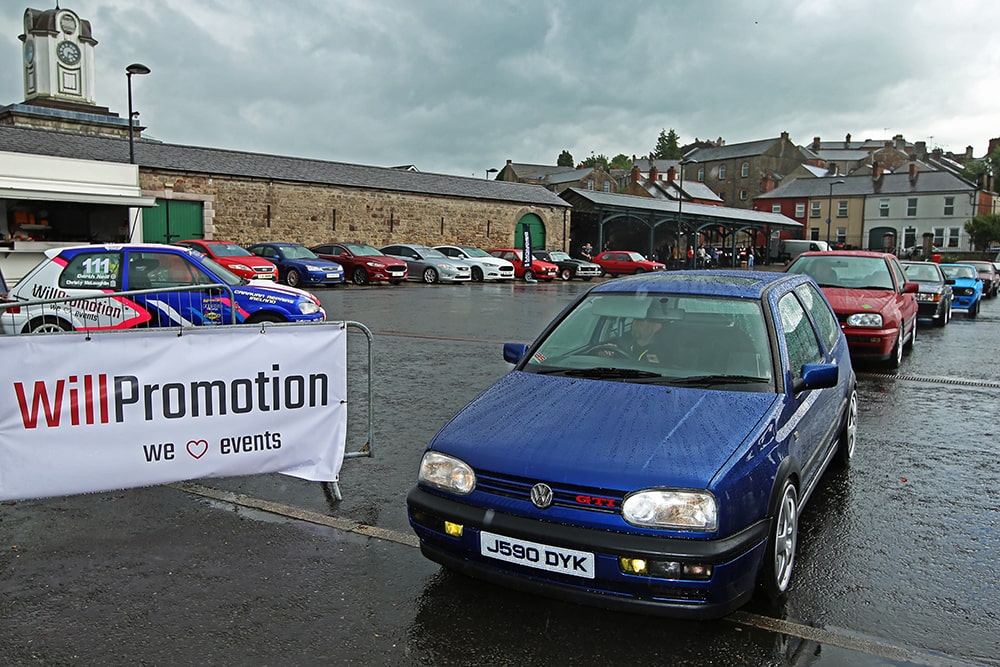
<point x="651" y="450"/>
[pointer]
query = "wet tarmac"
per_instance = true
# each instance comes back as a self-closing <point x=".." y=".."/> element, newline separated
<point x="896" y="563"/>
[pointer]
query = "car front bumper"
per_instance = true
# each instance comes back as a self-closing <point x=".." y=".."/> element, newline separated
<point x="323" y="278"/>
<point x="735" y="560"/>
<point x="964" y="302"/>
<point x="875" y="344"/>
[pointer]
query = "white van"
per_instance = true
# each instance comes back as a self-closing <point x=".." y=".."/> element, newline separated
<point x="789" y="249"/>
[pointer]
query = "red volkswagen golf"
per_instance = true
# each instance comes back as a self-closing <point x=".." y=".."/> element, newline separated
<point x="875" y="304"/>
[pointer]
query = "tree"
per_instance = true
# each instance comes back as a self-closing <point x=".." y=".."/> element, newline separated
<point x="667" y="146"/>
<point x="594" y="160"/>
<point x="984" y="230"/>
<point x="565" y="159"/>
<point x="621" y="161"/>
<point x="982" y="172"/>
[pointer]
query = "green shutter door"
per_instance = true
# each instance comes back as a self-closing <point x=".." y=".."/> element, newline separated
<point x="172" y="220"/>
<point x="533" y="223"/>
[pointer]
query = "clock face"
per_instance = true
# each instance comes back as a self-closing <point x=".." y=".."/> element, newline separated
<point x="68" y="52"/>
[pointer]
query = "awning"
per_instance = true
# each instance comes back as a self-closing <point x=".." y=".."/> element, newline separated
<point x="78" y="197"/>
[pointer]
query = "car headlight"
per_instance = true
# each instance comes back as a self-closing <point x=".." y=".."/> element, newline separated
<point x="376" y="265"/>
<point x="672" y="508"/>
<point x="307" y="307"/>
<point x="239" y="267"/>
<point x="446" y="473"/>
<point x="449" y="267"/>
<point x="872" y="320"/>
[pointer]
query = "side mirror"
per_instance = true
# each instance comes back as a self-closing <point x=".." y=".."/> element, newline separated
<point x="818" y="376"/>
<point x="514" y="352"/>
<point x="910" y="287"/>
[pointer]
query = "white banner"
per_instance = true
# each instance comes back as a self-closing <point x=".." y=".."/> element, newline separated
<point x="126" y="409"/>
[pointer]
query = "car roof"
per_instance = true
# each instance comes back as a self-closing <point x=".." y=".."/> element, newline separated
<point x="846" y="253"/>
<point x="716" y="282"/>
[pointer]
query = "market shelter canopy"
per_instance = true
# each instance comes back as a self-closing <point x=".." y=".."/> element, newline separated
<point x="667" y="217"/>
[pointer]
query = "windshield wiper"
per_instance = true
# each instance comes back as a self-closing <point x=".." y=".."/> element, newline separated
<point x="603" y="372"/>
<point x="711" y="380"/>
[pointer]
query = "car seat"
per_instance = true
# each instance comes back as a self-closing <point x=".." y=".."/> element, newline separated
<point x="139" y="271"/>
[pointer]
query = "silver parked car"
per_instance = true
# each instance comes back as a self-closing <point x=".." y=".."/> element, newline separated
<point x="484" y="265"/>
<point x="429" y="265"/>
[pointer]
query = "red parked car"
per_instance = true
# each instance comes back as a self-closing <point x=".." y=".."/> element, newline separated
<point x="237" y="259"/>
<point x="539" y="269"/>
<point x="875" y="304"/>
<point x="362" y="263"/>
<point x="625" y="262"/>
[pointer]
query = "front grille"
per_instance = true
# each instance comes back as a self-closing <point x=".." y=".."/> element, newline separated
<point x="576" y="497"/>
<point x="964" y="291"/>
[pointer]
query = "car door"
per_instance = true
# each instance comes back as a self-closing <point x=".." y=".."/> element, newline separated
<point x="209" y="305"/>
<point x="812" y="410"/>
<point x="906" y="302"/>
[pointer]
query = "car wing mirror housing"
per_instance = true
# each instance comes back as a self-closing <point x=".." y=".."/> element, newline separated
<point x="514" y="352"/>
<point x="910" y="287"/>
<point x="818" y="376"/>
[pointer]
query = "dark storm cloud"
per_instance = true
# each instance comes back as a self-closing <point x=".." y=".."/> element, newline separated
<point x="458" y="87"/>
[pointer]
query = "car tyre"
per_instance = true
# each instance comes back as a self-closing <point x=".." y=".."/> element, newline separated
<point x="942" y="319"/>
<point x="477" y="274"/>
<point x="257" y="318"/>
<point x="974" y="309"/>
<point x="896" y="358"/>
<point x="47" y="325"/>
<point x="779" y="558"/>
<point x="908" y="348"/>
<point x="430" y="276"/>
<point x="566" y="274"/>
<point x="292" y="278"/>
<point x="529" y="275"/>
<point x="848" y="432"/>
<point x="360" y="276"/>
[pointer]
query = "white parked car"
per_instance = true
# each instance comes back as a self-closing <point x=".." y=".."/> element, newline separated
<point x="484" y="265"/>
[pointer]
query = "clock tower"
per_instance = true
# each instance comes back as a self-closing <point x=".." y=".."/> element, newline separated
<point x="58" y="59"/>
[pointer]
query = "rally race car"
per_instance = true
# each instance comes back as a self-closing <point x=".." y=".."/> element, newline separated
<point x="148" y="285"/>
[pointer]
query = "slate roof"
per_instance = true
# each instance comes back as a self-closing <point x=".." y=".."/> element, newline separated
<point x="732" y="151"/>
<point x="537" y="172"/>
<point x="892" y="184"/>
<point x="220" y="162"/>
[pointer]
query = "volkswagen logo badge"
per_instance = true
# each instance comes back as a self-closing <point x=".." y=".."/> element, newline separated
<point x="541" y="495"/>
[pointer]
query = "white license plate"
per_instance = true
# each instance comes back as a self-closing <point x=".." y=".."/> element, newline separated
<point x="331" y="275"/>
<point x="539" y="556"/>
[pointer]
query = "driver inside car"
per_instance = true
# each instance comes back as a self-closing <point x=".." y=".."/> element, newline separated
<point x="639" y="344"/>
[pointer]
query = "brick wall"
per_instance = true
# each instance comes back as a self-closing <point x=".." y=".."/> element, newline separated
<point x="248" y="211"/>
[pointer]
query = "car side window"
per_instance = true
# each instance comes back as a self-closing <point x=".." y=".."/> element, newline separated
<point x="897" y="274"/>
<point x="800" y="337"/>
<point x="814" y="302"/>
<point x="99" y="270"/>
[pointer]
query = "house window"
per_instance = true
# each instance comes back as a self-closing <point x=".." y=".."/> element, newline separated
<point x="701" y="174"/>
<point x="743" y="195"/>
<point x="953" y="233"/>
<point x="722" y="172"/>
<point x="814" y="209"/>
<point x="814" y="234"/>
<point x="775" y="208"/>
<point x="800" y="210"/>
<point x="590" y="184"/>
<point x="842" y="209"/>
<point x="909" y="237"/>
<point x="911" y="207"/>
<point x="745" y="169"/>
<point x="607" y="186"/>
<point x="841" y="234"/>
<point x="883" y="208"/>
<point x="949" y="206"/>
<point x="938" y="236"/>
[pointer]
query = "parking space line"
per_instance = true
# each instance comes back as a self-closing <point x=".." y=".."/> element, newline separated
<point x="806" y="632"/>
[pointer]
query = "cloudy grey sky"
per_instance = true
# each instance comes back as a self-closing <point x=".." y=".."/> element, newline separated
<point x="459" y="86"/>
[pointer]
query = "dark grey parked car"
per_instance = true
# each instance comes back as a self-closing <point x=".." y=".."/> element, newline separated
<point x="934" y="295"/>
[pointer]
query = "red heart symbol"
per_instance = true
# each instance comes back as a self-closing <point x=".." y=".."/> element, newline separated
<point x="197" y="448"/>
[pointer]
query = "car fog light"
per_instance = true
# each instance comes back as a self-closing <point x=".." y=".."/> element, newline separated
<point x="632" y="565"/>
<point x="697" y="571"/>
<point x="453" y="529"/>
<point x="665" y="569"/>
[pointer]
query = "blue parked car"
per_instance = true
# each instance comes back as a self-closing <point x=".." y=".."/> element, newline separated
<point x="652" y="450"/>
<point x="300" y="266"/>
<point x="966" y="287"/>
<point x="191" y="290"/>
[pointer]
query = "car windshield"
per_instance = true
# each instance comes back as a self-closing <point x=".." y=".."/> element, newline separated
<point x="430" y="253"/>
<point x="922" y="272"/>
<point x="475" y="252"/>
<point x="664" y="339"/>
<point x="224" y="274"/>
<point x="844" y="271"/>
<point x="297" y="252"/>
<point x="229" y="250"/>
<point x="982" y="266"/>
<point x="557" y="256"/>
<point x="361" y="249"/>
<point x="957" y="271"/>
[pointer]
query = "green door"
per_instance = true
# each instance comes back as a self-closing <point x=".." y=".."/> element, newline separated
<point x="172" y="220"/>
<point x="535" y="226"/>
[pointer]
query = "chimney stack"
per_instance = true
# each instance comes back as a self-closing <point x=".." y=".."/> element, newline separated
<point x="847" y="140"/>
<point x="654" y="173"/>
<point x="815" y="145"/>
<point x="636" y="173"/>
<point x="671" y="174"/>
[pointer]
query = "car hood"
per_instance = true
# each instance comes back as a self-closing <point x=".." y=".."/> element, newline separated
<point x="603" y="434"/>
<point x="270" y="287"/>
<point x="858" y="300"/>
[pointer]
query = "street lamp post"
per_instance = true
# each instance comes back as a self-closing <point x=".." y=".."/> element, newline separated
<point x="491" y="170"/>
<point x="134" y="68"/>
<point x="680" y="203"/>
<point x="829" y="208"/>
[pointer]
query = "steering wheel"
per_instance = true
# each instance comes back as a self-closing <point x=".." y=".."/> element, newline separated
<point x="608" y="350"/>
